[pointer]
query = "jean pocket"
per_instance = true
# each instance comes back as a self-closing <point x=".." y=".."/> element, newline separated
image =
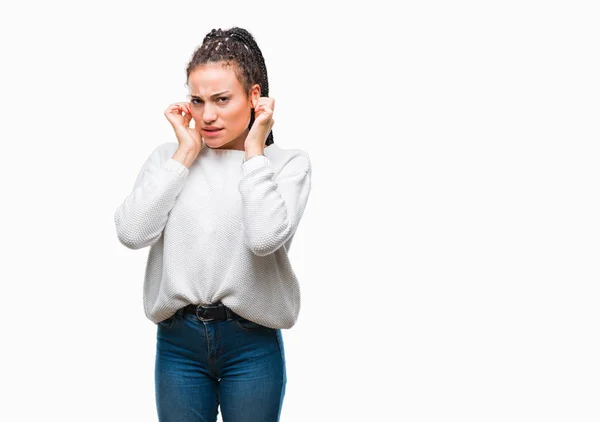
<point x="166" y="323"/>
<point x="246" y="324"/>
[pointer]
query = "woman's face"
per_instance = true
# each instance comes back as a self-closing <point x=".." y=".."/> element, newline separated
<point x="218" y="99"/>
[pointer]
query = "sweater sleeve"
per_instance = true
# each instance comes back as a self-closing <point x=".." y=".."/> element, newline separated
<point x="142" y="216"/>
<point x="272" y="205"/>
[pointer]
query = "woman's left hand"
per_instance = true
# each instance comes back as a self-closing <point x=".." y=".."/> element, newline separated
<point x="263" y="123"/>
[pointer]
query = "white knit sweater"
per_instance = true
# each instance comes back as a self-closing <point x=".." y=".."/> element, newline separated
<point x="220" y="230"/>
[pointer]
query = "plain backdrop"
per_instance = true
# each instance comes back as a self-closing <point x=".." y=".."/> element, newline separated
<point x="448" y="254"/>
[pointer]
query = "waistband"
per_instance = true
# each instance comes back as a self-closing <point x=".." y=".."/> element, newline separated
<point x="211" y="312"/>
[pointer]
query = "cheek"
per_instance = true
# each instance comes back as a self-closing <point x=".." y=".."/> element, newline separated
<point x="197" y="117"/>
<point x="239" y="117"/>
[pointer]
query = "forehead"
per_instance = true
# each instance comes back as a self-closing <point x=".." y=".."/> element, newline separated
<point x="213" y="77"/>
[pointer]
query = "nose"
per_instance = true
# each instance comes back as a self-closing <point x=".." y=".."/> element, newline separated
<point x="208" y="114"/>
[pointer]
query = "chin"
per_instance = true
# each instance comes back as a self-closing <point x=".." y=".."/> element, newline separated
<point x="215" y="143"/>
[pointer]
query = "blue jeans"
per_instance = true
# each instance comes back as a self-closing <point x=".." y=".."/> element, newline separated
<point x="238" y="365"/>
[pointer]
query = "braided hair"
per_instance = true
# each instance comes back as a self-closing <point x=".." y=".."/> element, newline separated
<point x="237" y="46"/>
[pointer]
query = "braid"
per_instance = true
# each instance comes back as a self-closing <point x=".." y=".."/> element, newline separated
<point x="235" y="46"/>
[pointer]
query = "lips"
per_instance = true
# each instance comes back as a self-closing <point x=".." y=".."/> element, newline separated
<point x="211" y="132"/>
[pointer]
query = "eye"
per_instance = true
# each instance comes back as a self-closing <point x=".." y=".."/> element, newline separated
<point x="198" y="101"/>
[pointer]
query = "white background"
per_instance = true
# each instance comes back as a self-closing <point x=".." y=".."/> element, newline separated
<point x="448" y="255"/>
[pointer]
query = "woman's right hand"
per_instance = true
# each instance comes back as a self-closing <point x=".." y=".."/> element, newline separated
<point x="179" y="115"/>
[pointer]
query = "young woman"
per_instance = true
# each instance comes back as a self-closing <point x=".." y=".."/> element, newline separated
<point x="219" y="210"/>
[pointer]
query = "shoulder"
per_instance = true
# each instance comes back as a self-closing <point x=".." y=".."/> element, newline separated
<point x="163" y="152"/>
<point x="292" y="159"/>
<point x="168" y="148"/>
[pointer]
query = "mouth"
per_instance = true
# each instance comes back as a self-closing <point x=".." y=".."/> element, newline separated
<point x="211" y="132"/>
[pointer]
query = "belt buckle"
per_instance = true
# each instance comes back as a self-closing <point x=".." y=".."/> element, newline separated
<point x="204" y="308"/>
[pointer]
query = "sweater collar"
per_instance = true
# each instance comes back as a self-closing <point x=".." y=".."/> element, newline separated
<point x="231" y="153"/>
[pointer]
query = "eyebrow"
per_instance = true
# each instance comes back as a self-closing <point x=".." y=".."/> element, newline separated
<point x="212" y="96"/>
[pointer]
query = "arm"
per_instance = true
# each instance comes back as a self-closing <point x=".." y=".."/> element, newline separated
<point x="272" y="205"/>
<point x="141" y="218"/>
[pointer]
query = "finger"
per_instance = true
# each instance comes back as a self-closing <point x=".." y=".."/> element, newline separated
<point x="184" y="106"/>
<point x="179" y="108"/>
<point x="186" y="119"/>
<point x="174" y="108"/>
<point x="268" y="101"/>
<point x="172" y="112"/>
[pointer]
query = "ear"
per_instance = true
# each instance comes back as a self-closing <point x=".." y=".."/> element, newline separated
<point x="255" y="95"/>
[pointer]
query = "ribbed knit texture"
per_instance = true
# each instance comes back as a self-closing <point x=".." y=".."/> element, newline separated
<point x="219" y="231"/>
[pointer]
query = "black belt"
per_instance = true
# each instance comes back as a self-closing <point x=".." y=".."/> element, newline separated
<point x="212" y="312"/>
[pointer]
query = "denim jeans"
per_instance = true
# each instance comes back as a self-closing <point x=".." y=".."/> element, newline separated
<point x="237" y="365"/>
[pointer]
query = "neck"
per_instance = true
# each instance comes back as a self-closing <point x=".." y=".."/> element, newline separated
<point x="226" y="151"/>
